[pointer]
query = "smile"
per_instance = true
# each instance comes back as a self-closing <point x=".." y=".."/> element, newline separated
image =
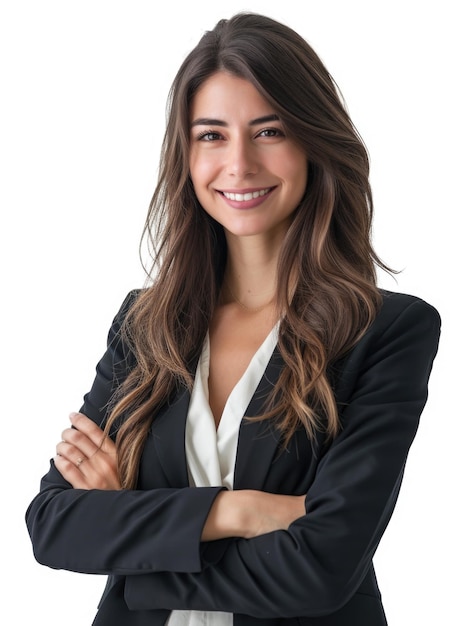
<point x="244" y="197"/>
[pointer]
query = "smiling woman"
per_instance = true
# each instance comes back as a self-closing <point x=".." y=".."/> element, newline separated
<point x="241" y="450"/>
<point x="247" y="174"/>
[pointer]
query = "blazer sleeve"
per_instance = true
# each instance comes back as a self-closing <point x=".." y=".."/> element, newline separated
<point x="315" y="566"/>
<point x="119" y="532"/>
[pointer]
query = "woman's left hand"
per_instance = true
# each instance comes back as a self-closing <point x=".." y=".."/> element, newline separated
<point x="85" y="457"/>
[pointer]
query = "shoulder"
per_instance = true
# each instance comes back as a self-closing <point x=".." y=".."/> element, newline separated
<point x="125" y="307"/>
<point x="406" y="326"/>
<point x="402" y="309"/>
<point x="118" y="345"/>
<point x="398" y="348"/>
<point x="126" y="304"/>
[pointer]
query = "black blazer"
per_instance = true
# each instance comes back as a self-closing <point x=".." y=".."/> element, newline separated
<point x="317" y="573"/>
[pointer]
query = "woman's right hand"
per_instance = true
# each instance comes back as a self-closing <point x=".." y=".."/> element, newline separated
<point x="85" y="457"/>
<point x="249" y="513"/>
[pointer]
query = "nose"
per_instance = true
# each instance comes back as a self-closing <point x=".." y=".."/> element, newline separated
<point x="241" y="158"/>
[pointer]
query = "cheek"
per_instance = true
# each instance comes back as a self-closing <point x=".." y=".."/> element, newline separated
<point x="202" y="170"/>
<point x="292" y="166"/>
<point x="201" y="177"/>
<point x="296" y="170"/>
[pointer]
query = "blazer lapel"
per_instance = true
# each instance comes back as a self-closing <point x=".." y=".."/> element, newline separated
<point x="258" y="440"/>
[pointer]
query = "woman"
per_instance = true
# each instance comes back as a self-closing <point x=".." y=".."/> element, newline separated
<point x="260" y="396"/>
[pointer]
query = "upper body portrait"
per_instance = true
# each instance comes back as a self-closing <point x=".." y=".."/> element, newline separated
<point x="241" y="450"/>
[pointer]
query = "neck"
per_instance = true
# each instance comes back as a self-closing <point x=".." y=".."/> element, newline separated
<point x="250" y="276"/>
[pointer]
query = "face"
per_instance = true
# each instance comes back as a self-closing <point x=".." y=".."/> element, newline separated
<point x="247" y="174"/>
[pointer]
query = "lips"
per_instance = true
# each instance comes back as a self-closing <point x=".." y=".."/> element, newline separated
<point x="247" y="195"/>
<point x="246" y="199"/>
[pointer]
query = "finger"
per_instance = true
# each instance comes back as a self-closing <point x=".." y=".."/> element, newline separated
<point x="81" y="451"/>
<point x="98" y="472"/>
<point x="70" y="472"/>
<point x="88" y="427"/>
<point x="68" y="450"/>
<point x="93" y="462"/>
<point x="71" y="453"/>
<point x="83" y="444"/>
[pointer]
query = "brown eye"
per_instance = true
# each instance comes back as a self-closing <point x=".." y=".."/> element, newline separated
<point x="271" y="132"/>
<point x="208" y="135"/>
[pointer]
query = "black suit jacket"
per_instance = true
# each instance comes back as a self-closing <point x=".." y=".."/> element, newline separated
<point x="317" y="573"/>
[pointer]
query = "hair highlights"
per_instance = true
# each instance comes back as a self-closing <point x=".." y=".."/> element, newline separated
<point x="326" y="284"/>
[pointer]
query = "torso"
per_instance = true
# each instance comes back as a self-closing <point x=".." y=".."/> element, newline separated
<point x="235" y="334"/>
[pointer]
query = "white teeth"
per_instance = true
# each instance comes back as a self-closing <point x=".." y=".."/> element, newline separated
<point x="240" y="197"/>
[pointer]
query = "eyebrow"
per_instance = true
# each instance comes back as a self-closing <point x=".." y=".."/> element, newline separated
<point x="209" y="121"/>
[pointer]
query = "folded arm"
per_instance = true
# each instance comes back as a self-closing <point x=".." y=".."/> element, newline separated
<point x="83" y="521"/>
<point x="303" y="565"/>
<point x="317" y="564"/>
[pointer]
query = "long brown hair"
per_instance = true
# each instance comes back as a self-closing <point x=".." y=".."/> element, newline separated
<point x="326" y="283"/>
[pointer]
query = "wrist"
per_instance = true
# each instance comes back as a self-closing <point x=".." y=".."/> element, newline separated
<point x="229" y="516"/>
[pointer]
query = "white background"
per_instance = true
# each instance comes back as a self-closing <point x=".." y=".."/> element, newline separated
<point x="83" y="89"/>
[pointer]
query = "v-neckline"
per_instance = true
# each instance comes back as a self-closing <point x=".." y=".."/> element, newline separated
<point x="250" y="376"/>
<point x="211" y="451"/>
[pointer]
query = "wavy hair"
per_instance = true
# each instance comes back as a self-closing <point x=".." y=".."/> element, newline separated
<point x="326" y="284"/>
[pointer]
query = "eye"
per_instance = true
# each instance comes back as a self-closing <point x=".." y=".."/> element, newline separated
<point x="208" y="135"/>
<point x="271" y="132"/>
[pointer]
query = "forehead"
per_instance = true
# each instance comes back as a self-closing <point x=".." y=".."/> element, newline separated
<point x="228" y="97"/>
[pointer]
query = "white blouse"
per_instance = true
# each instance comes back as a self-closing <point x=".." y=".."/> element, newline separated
<point x="211" y="452"/>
